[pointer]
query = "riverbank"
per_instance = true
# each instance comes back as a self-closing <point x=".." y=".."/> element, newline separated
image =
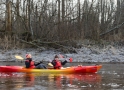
<point x="84" y="54"/>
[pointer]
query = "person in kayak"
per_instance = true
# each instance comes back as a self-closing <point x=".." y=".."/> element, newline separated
<point x="31" y="64"/>
<point x="57" y="64"/>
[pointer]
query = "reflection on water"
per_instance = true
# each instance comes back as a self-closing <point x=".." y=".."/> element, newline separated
<point x="112" y="76"/>
<point x="9" y="81"/>
<point x="24" y="81"/>
<point x="72" y="81"/>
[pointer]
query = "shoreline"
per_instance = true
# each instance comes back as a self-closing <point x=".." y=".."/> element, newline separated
<point x="108" y="54"/>
<point x="77" y="62"/>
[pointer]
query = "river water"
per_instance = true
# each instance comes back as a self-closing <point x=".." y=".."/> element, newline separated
<point x="110" y="77"/>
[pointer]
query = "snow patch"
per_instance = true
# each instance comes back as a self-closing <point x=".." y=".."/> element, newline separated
<point x="84" y="54"/>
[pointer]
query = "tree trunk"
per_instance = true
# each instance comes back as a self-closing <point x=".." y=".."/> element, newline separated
<point x="63" y="10"/>
<point x="8" y="17"/>
<point x="59" y="18"/>
<point x="18" y="16"/>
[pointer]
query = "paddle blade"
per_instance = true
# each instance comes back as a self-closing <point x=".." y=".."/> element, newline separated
<point x="19" y="57"/>
<point x="71" y="59"/>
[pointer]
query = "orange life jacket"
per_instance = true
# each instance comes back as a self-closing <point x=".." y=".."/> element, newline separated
<point x="58" y="64"/>
<point x="31" y="64"/>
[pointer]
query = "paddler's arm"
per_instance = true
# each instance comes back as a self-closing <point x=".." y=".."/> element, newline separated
<point x="64" y="62"/>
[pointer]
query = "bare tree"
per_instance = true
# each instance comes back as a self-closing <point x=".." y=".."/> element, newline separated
<point x="61" y="20"/>
<point x="8" y="16"/>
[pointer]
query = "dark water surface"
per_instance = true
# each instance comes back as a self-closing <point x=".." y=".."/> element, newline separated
<point x="110" y="77"/>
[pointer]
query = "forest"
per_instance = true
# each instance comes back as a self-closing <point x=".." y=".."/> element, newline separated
<point x="59" y="23"/>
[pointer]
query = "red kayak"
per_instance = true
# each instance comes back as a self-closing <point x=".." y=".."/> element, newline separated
<point x="73" y="69"/>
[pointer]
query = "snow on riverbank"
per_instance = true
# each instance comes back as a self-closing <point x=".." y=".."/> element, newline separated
<point x="84" y="54"/>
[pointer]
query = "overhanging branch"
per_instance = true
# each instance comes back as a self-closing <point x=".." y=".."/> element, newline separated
<point x="108" y="31"/>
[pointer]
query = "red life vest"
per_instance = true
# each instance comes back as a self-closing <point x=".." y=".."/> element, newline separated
<point x="58" y="64"/>
<point x="31" y="64"/>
